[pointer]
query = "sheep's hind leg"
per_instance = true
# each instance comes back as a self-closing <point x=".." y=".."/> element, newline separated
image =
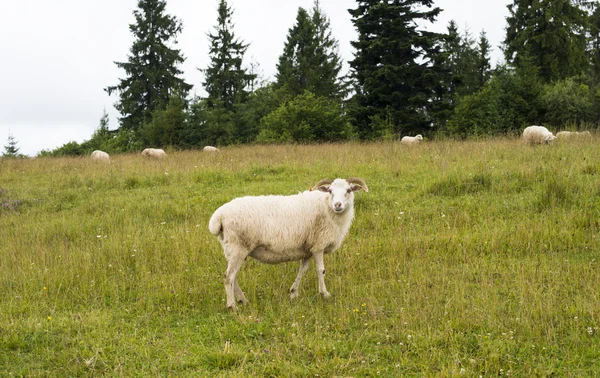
<point x="234" y="263"/>
<point x="321" y="274"/>
<point x="239" y="294"/>
<point x="296" y="284"/>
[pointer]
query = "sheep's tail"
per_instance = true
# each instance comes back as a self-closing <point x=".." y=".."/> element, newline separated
<point x="214" y="225"/>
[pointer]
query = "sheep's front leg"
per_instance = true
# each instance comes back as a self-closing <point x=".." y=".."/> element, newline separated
<point x="321" y="274"/>
<point x="296" y="284"/>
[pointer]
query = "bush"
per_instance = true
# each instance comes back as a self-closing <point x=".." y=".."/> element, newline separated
<point x="507" y="103"/>
<point x="568" y="102"/>
<point x="167" y="125"/>
<point x="248" y="115"/>
<point x="305" y="118"/>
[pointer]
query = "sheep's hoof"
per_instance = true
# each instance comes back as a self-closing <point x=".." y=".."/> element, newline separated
<point x="242" y="301"/>
<point x="293" y="293"/>
<point x="326" y="294"/>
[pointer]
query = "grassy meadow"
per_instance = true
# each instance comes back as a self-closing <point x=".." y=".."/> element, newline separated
<point x="476" y="258"/>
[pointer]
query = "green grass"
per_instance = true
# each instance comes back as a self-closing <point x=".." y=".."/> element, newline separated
<point x="478" y="257"/>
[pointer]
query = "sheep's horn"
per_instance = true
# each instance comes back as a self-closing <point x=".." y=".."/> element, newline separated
<point x="323" y="182"/>
<point x="359" y="182"/>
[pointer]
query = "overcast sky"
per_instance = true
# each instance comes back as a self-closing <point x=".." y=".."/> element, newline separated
<point x="57" y="56"/>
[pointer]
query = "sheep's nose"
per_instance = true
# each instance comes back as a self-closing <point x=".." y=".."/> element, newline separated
<point x="337" y="204"/>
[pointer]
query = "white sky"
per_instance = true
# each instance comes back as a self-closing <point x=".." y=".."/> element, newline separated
<point x="57" y="56"/>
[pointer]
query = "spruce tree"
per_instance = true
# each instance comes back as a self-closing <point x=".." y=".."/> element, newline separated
<point x="295" y="64"/>
<point x="393" y="66"/>
<point x="328" y="62"/>
<point x="102" y="131"/>
<point x="594" y="43"/>
<point x="310" y="60"/>
<point x="102" y="135"/>
<point x="550" y="33"/>
<point x="11" y="149"/>
<point x="461" y="61"/>
<point x="226" y="81"/>
<point x="152" y="76"/>
<point x="459" y="74"/>
<point x="484" y="68"/>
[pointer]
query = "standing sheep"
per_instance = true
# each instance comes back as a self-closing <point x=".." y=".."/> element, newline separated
<point x="411" y="140"/>
<point x="156" y="153"/>
<point x="210" y="149"/>
<point x="100" y="156"/>
<point x="537" y="135"/>
<point x="276" y="229"/>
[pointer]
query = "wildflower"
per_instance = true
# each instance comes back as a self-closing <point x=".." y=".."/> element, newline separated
<point x="49" y="317"/>
<point x="364" y="304"/>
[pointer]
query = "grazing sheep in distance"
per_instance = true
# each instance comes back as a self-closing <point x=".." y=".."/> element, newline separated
<point x="564" y="134"/>
<point x="156" y="153"/>
<point x="537" y="135"/>
<point x="411" y="140"/>
<point x="276" y="229"/>
<point x="100" y="156"/>
<point x="569" y="134"/>
<point x="210" y="149"/>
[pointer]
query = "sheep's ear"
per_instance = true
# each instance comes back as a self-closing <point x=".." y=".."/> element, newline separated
<point x="357" y="184"/>
<point x="323" y="185"/>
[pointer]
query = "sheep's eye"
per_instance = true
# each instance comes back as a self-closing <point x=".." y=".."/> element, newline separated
<point x="348" y="190"/>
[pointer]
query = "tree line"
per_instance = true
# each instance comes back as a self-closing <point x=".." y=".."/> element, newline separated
<point x="403" y="79"/>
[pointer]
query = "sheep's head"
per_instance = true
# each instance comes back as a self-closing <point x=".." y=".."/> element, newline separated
<point x="419" y="137"/>
<point x="341" y="192"/>
<point x="550" y="138"/>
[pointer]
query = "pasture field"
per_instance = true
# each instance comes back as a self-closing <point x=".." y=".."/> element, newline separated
<point x="475" y="258"/>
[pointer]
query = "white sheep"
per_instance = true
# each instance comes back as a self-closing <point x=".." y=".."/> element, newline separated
<point x="210" y="149"/>
<point x="156" y="153"/>
<point x="537" y="135"/>
<point x="100" y="156"/>
<point x="411" y="140"/>
<point x="276" y="229"/>
<point x="569" y="134"/>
